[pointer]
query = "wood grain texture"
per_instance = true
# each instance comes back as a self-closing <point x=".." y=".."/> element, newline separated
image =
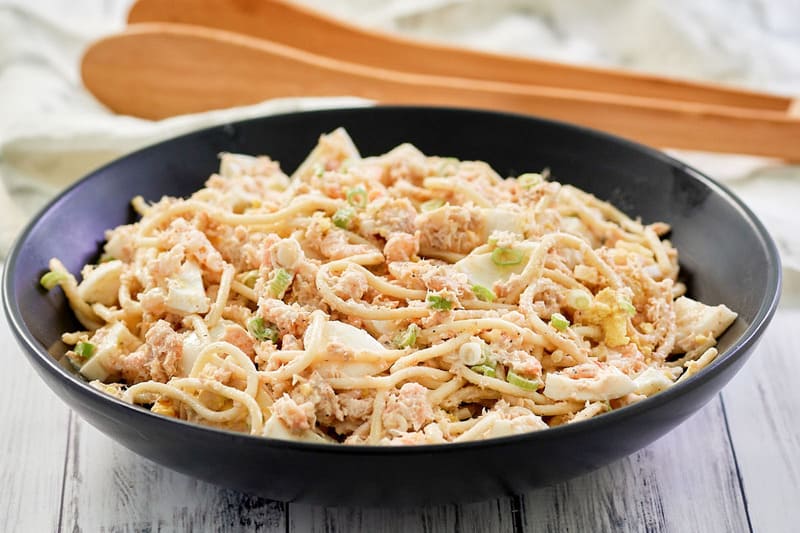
<point x="33" y="429"/>
<point x="157" y="70"/>
<point x="491" y="516"/>
<point x="109" y="488"/>
<point x="295" y="25"/>
<point x="685" y="482"/>
<point x="763" y="409"/>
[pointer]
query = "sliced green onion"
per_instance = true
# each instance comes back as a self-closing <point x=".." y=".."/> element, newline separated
<point x="482" y="293"/>
<point x="84" y="349"/>
<point x="249" y="278"/>
<point x="319" y="170"/>
<point x="486" y="370"/>
<point x="523" y="383"/>
<point x="439" y="303"/>
<point x="507" y="256"/>
<point x="343" y="217"/>
<point x="626" y="306"/>
<point x="408" y="338"/>
<point x="279" y="283"/>
<point x="51" y="279"/>
<point x="579" y="299"/>
<point x="529" y="179"/>
<point x="559" y="321"/>
<point x="261" y="331"/>
<point x="357" y="197"/>
<point x="430" y="205"/>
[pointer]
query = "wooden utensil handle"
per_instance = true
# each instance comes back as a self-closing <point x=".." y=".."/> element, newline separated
<point x="160" y="70"/>
<point x="301" y="27"/>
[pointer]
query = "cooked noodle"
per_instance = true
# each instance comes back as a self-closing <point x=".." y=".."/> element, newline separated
<point x="399" y="299"/>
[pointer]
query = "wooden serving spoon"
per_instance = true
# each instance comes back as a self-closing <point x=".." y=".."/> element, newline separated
<point x="303" y="28"/>
<point x="158" y="70"/>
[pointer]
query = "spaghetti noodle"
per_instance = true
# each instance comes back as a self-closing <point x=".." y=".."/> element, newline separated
<point x="399" y="299"/>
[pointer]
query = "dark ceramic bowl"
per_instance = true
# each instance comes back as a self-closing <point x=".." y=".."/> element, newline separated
<point x="726" y="255"/>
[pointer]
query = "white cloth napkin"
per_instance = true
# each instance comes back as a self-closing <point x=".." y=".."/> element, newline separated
<point x="52" y="131"/>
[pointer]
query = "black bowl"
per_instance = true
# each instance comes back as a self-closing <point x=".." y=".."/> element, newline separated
<point x="726" y="253"/>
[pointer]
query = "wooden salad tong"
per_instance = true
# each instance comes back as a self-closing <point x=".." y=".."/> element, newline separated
<point x="155" y="70"/>
<point x="297" y="26"/>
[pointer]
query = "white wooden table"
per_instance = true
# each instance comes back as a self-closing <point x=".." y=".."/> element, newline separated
<point x="734" y="466"/>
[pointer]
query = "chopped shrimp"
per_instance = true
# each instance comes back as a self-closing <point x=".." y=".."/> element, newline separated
<point x="451" y="228"/>
<point x="401" y="247"/>
<point x="386" y="216"/>
<point x="290" y="319"/>
<point x="237" y="336"/>
<point x="159" y="358"/>
<point x="296" y="417"/>
<point x="351" y="283"/>
<point x="407" y="408"/>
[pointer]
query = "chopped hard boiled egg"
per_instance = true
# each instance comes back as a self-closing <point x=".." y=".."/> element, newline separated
<point x="651" y="381"/>
<point x="110" y="343"/>
<point x="698" y="325"/>
<point x="101" y="284"/>
<point x="499" y="219"/>
<point x="276" y="429"/>
<point x="193" y="344"/>
<point x="354" y="339"/>
<point x="186" y="293"/>
<point x="483" y="268"/>
<point x="610" y="383"/>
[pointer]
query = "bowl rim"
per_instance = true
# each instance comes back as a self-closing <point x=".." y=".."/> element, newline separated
<point x="746" y="341"/>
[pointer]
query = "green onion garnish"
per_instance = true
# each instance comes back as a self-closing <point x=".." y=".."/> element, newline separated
<point x="261" y="331"/>
<point x="482" y="293"/>
<point x="523" y="383"/>
<point x="51" y="279"/>
<point x="280" y="282"/>
<point x="84" y="349"/>
<point x="439" y="303"/>
<point x="319" y="170"/>
<point x="249" y="278"/>
<point x="408" y="338"/>
<point x="559" y="321"/>
<point x="486" y="370"/>
<point x="507" y="256"/>
<point x="430" y="205"/>
<point x="626" y="306"/>
<point x="529" y="179"/>
<point x="357" y="197"/>
<point x="343" y="217"/>
<point x="579" y="299"/>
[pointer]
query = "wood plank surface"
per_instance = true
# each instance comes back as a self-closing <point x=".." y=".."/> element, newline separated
<point x="763" y="409"/>
<point x="685" y="482"/>
<point x="492" y="515"/>
<point x="32" y="443"/>
<point x="109" y="488"/>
